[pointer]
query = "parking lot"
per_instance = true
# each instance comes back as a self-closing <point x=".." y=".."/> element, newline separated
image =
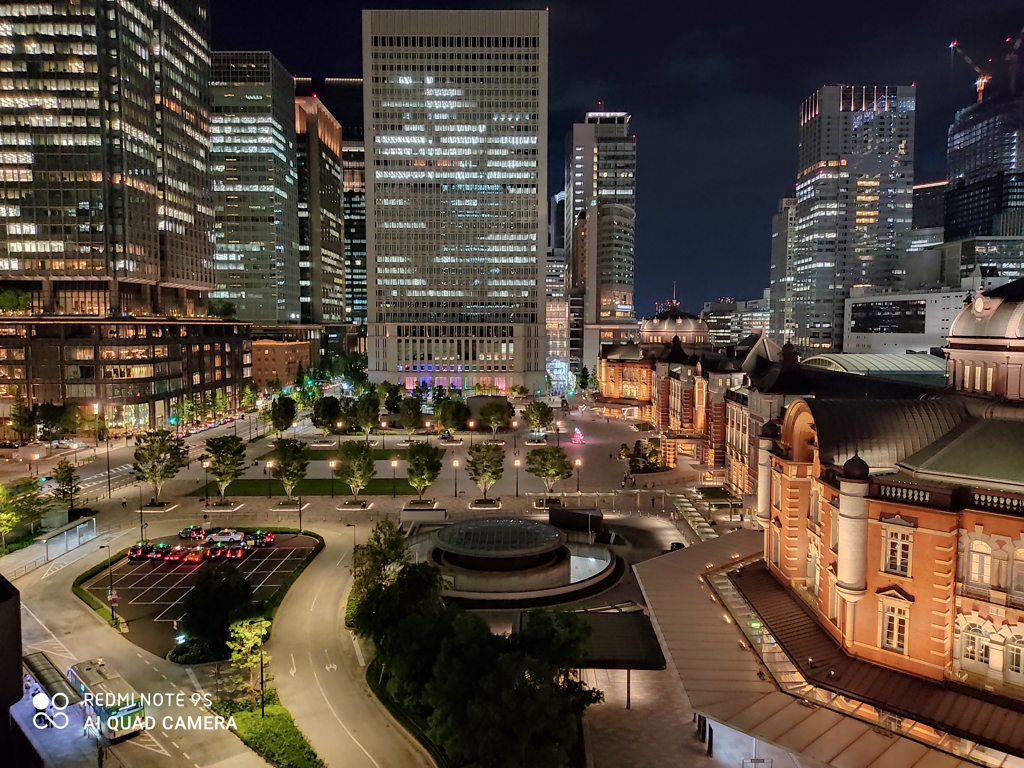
<point x="150" y="593"/>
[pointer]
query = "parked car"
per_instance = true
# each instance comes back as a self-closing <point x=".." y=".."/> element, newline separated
<point x="236" y="551"/>
<point x="194" y="533"/>
<point x="175" y="554"/>
<point x="225" y="536"/>
<point x="159" y="551"/>
<point x="195" y="555"/>
<point x="259" y="539"/>
<point x="215" y="551"/>
<point x="140" y="551"/>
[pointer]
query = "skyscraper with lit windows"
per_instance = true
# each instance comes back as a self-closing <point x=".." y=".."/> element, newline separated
<point x="600" y="226"/>
<point x="455" y="117"/>
<point x="255" y="186"/>
<point x="854" y="202"/>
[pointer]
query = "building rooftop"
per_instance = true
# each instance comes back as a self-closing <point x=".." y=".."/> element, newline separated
<point x="901" y="366"/>
<point x="499" y="537"/>
<point x="984" y="450"/>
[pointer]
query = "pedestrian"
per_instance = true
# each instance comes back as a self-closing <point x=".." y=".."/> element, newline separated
<point x="609" y="455"/>
<point x="622" y="484"/>
<point x="124" y="503"/>
<point x="652" y="502"/>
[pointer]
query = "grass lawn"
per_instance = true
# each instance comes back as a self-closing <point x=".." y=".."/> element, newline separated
<point x="379" y="486"/>
<point x="276" y="737"/>
<point x="326" y="454"/>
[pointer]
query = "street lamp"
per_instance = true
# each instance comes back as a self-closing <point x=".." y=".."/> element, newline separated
<point x="516" y="463"/>
<point x="270" y="466"/>
<point x="515" y="437"/>
<point x="110" y="589"/>
<point x="353" y="527"/>
<point x="455" y="465"/>
<point x="470" y="424"/>
<point x="578" y="463"/>
<point x="332" y="465"/>
<point x="558" y="433"/>
<point x="394" y="480"/>
<point x="206" y="480"/>
<point x="383" y="441"/>
<point x="338" y="424"/>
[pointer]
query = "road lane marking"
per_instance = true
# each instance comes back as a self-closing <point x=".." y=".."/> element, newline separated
<point x="359" y="652"/>
<point x="314" y="599"/>
<point x="55" y="640"/>
<point x="292" y="670"/>
<point x="330" y="667"/>
<point x="194" y="679"/>
<point x="340" y="721"/>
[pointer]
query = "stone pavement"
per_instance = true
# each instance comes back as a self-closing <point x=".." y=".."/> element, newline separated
<point x="658" y="730"/>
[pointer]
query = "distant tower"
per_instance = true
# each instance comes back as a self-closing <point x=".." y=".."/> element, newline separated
<point x="854" y="192"/>
<point x="600" y="225"/>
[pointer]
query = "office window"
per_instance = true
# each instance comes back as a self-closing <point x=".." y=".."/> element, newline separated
<point x="979" y="564"/>
<point x="894" y="628"/>
<point x="897" y="554"/>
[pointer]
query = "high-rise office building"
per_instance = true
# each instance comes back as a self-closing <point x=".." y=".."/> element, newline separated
<point x="106" y="246"/>
<point x="255" y="186"/>
<point x="854" y="193"/>
<point x="343" y="97"/>
<point x="556" y="296"/>
<point x="600" y="224"/>
<point x="984" y="156"/>
<point x="321" y="219"/>
<point x="782" y="272"/>
<point x="455" y="109"/>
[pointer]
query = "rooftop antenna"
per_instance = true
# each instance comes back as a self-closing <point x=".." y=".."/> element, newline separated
<point x="674" y="292"/>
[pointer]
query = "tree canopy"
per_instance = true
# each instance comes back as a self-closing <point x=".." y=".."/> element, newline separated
<point x="367" y="414"/>
<point x="450" y="414"/>
<point x="22" y="419"/>
<point x="291" y="463"/>
<point x="485" y="465"/>
<point x="424" y="465"/>
<point x="159" y="456"/>
<point x="226" y="456"/>
<point x="495" y="415"/>
<point x="550" y="464"/>
<point x="539" y="415"/>
<point x="410" y="414"/>
<point x="65" y="479"/>
<point x="327" y="414"/>
<point x="282" y="413"/>
<point x="355" y="466"/>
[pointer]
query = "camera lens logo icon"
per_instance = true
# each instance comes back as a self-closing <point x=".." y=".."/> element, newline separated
<point x="50" y="712"/>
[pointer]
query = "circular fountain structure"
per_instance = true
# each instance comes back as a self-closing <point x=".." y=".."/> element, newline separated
<point x="515" y="559"/>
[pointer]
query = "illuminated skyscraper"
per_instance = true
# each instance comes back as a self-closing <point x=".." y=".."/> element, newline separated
<point x="854" y="194"/>
<point x="782" y="271"/>
<point x="105" y="187"/>
<point x="600" y="222"/>
<point x="321" y="233"/>
<point x="455" y="111"/>
<point x="556" y="284"/>
<point x="255" y="186"/>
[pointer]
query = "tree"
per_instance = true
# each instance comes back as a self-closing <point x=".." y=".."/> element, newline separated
<point x="583" y="380"/>
<point x="223" y="309"/>
<point x="292" y="463"/>
<point x="495" y="414"/>
<point x="300" y="376"/>
<point x="550" y="464"/>
<point x="221" y="596"/>
<point x="282" y="413"/>
<point x="367" y="413"/>
<point x="410" y="415"/>
<point x="538" y="415"/>
<point x="220" y="403"/>
<point x="70" y="420"/>
<point x="8" y="517"/>
<point x="48" y="416"/>
<point x="380" y="559"/>
<point x="485" y="465"/>
<point x="66" y="481"/>
<point x="450" y="414"/>
<point x="424" y="465"/>
<point x="159" y="456"/>
<point x="206" y="407"/>
<point x="326" y="414"/>
<point x="245" y="641"/>
<point x="185" y="411"/>
<point x="28" y="502"/>
<point x="248" y="400"/>
<point x="389" y="394"/>
<point x="22" y="419"/>
<point x="356" y="466"/>
<point x="440" y="393"/>
<point x="226" y="456"/>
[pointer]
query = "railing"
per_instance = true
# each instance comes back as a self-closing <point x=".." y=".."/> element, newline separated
<point x="1011" y="503"/>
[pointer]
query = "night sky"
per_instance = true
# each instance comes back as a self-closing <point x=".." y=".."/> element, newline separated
<point x="714" y="89"/>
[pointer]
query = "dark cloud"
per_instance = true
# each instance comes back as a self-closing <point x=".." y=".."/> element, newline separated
<point x="714" y="89"/>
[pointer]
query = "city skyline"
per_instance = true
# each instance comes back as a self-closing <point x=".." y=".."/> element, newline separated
<point x="747" y="69"/>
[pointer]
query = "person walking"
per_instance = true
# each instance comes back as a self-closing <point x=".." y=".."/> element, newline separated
<point x="124" y="503"/>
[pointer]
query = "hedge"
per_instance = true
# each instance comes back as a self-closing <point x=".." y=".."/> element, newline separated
<point x="84" y="595"/>
<point x="416" y="726"/>
<point x="274" y="737"/>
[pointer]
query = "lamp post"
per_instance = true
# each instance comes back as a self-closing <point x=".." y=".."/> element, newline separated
<point x="353" y="527"/>
<point x="332" y="465"/>
<point x="578" y="463"/>
<point x="558" y="433"/>
<point x="383" y="440"/>
<point x="300" y="513"/>
<point x="470" y="424"/>
<point x="206" y="480"/>
<point x="142" y="525"/>
<point x="270" y="466"/>
<point x="516" y="463"/>
<point x="248" y="420"/>
<point x="394" y="479"/>
<point x="110" y="589"/>
<point x="515" y="438"/>
<point x="455" y="466"/>
<point x="338" y="425"/>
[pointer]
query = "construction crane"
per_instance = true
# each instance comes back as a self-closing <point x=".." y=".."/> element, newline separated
<point x="983" y="79"/>
<point x="1013" y="59"/>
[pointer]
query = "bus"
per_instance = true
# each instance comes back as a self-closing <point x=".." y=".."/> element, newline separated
<point x="116" y="721"/>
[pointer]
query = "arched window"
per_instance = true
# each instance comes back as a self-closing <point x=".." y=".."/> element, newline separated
<point x="974" y="648"/>
<point x="776" y="544"/>
<point x="1017" y="573"/>
<point x="979" y="564"/>
<point x="1015" y="660"/>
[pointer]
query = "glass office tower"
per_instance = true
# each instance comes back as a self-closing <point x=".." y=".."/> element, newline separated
<point x="455" y="112"/>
